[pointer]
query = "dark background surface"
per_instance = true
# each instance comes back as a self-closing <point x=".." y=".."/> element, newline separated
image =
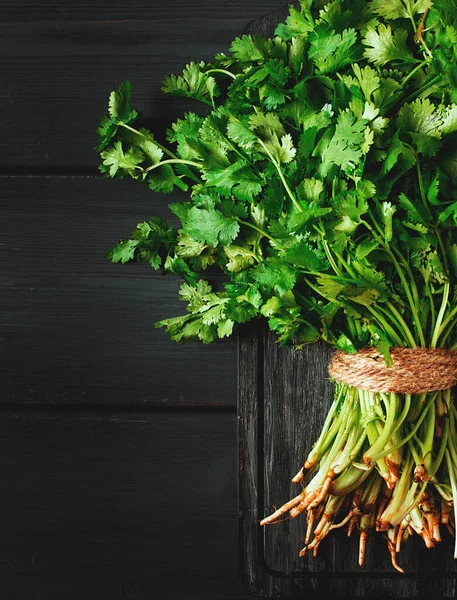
<point x="118" y="447"/>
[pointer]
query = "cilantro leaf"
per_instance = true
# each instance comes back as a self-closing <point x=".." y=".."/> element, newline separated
<point x="119" y="103"/>
<point x="399" y="9"/>
<point x="121" y="163"/>
<point x="331" y="51"/>
<point x="193" y="83"/>
<point x="344" y="149"/>
<point x="275" y="275"/>
<point x="422" y="122"/>
<point x="382" y="46"/>
<point x="249" y="48"/>
<point x="209" y="226"/>
<point x="297" y="24"/>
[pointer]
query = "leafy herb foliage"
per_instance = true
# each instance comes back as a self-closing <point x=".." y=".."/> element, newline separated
<point x="319" y="179"/>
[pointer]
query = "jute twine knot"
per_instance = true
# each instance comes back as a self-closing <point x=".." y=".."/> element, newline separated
<point x="413" y="370"/>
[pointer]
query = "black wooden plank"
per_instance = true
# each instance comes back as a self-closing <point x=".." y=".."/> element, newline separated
<point x="79" y="329"/>
<point x="56" y="75"/>
<point x="43" y="10"/>
<point x="118" y="506"/>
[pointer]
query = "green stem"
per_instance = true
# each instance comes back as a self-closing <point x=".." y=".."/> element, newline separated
<point x="424" y="88"/>
<point x="221" y="71"/>
<point x="171" y="161"/>
<point x="261" y="231"/>
<point x="390" y="425"/>
<point x="413" y="431"/>
<point x="440" y="316"/>
<point x="281" y="176"/>
<point x="403" y="324"/>
<point x="321" y="231"/>
<point x="149" y="138"/>
<point x="409" y="296"/>
<point x="442" y="448"/>
<point x="423" y="63"/>
<point x="386" y="326"/>
<point x="412" y="303"/>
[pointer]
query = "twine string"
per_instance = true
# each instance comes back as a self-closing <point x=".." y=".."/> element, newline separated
<point x="413" y="370"/>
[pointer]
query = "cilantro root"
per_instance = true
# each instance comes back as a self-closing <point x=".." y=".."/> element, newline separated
<point x="320" y="182"/>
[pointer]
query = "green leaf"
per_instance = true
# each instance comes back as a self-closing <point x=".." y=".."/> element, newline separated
<point x="423" y="123"/>
<point x="144" y="140"/>
<point x="383" y="46"/>
<point x="311" y="189"/>
<point x="297" y="24"/>
<point x="106" y="132"/>
<point x="331" y="52"/>
<point x="266" y="125"/>
<point x="123" y="251"/>
<point x="240" y="258"/>
<point x="116" y="159"/>
<point x="249" y="48"/>
<point x="449" y="119"/>
<point x="275" y="275"/>
<point x="237" y="178"/>
<point x="119" y="103"/>
<point x="344" y="344"/>
<point x="187" y="128"/>
<point x="240" y="133"/>
<point x="398" y="154"/>
<point x="285" y="150"/>
<point x="368" y="79"/>
<point x="193" y="83"/>
<point x="164" y="180"/>
<point x="344" y="149"/>
<point x="209" y="226"/>
<point x="399" y="9"/>
<point x="305" y="256"/>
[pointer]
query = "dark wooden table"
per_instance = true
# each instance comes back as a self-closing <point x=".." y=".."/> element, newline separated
<point x="127" y="459"/>
<point x="119" y="450"/>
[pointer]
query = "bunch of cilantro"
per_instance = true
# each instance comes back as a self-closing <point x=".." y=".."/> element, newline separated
<point x="320" y="180"/>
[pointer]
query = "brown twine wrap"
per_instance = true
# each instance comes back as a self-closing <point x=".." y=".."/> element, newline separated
<point x="413" y="370"/>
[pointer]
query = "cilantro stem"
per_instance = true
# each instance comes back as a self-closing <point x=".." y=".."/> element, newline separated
<point x="392" y="423"/>
<point x="235" y="149"/>
<point x="403" y="324"/>
<point x="446" y="322"/>
<point x="431" y="82"/>
<point x="328" y="252"/>
<point x="385" y="325"/>
<point x="180" y="161"/>
<point x="399" y="270"/>
<point x="283" y="179"/>
<point x="221" y="71"/>
<point x="163" y="148"/>
<point x="149" y="138"/>
<point x="413" y="431"/>
<point x="261" y="231"/>
<point x="422" y="64"/>
<point x="439" y="319"/>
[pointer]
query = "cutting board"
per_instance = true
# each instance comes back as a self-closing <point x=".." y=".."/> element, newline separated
<point x="284" y="396"/>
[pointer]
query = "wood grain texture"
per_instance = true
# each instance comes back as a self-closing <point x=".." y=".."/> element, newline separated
<point x="60" y="61"/>
<point x="77" y="328"/>
<point x="177" y="10"/>
<point x="121" y="506"/>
